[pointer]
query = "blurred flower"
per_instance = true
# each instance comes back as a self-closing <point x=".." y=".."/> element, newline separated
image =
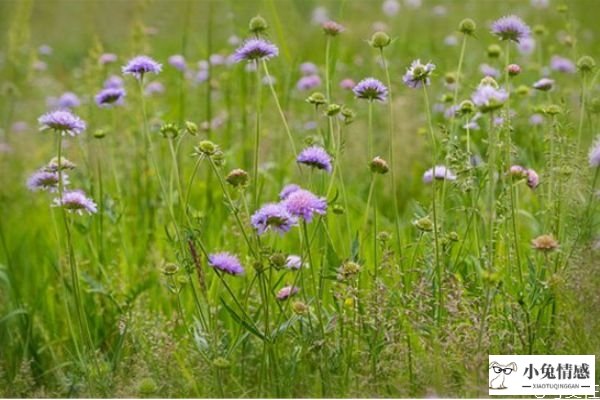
<point x="594" y="155"/>
<point x="533" y="179"/>
<point x="140" y="65"/>
<point x="273" y="216"/>
<point x="512" y="28"/>
<point x="544" y="84"/>
<point x="39" y="65"/>
<point x="113" y="82"/>
<point x="450" y="40"/>
<point x="287" y="190"/>
<point x="489" y="98"/>
<point x="308" y="68"/>
<point x="315" y="157"/>
<point x="319" y="15"/>
<point x="418" y="74"/>
<point x="370" y="89"/>
<point x="562" y="64"/>
<point x="62" y="121"/>
<point x="217" y="59"/>
<point x="526" y="46"/>
<point x="178" y="62"/>
<point x="332" y="28"/>
<point x="225" y="262"/>
<point x="154" y="87"/>
<point x="255" y="49"/>
<point x="488" y="70"/>
<point x="540" y="3"/>
<point x="545" y="243"/>
<point x="110" y="97"/>
<point x="286" y="292"/>
<point x="390" y="7"/>
<point x="66" y="101"/>
<point x="293" y="262"/>
<point x="107" y="58"/>
<point x="76" y="201"/>
<point x="308" y="82"/>
<point x="536" y="119"/>
<point x="46" y="180"/>
<point x="439" y="172"/>
<point x="19" y="126"/>
<point x="347" y="84"/>
<point x="412" y="3"/>
<point x="304" y="204"/>
<point x="45" y="50"/>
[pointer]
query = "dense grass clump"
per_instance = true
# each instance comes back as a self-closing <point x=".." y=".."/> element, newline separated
<point x="294" y="198"/>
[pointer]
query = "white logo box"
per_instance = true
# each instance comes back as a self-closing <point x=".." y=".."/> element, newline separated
<point x="511" y="375"/>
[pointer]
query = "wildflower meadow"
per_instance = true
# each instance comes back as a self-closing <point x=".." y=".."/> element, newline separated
<point x="294" y="198"/>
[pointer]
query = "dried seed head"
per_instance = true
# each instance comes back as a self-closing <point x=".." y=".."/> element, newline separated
<point x="237" y="178"/>
<point x="299" y="308"/>
<point x="170" y="269"/>
<point x="545" y="243"/>
<point x="379" y="166"/>
<point x="348" y="270"/>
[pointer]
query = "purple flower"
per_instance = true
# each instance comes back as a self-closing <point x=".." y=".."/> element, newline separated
<point x="488" y="70"/>
<point x="370" y="89"/>
<point x="287" y="190"/>
<point x="347" y="84"/>
<point x="489" y="98"/>
<point x="68" y="100"/>
<point x="533" y="179"/>
<point x="39" y="65"/>
<point x="273" y="216"/>
<point x="286" y="292"/>
<point x="201" y="76"/>
<point x="594" y="155"/>
<point x="304" y="204"/>
<point x="45" y="50"/>
<point x="536" y="119"/>
<point x="562" y="64"/>
<point x="450" y="40"/>
<point x="62" y="121"/>
<point x="451" y="111"/>
<point x="110" y="97"/>
<point x="19" y="126"/>
<point x="315" y="157"/>
<point x="113" y="82"/>
<point x="293" y="262"/>
<point x="439" y="172"/>
<point x="76" y="201"/>
<point x="308" y="82"/>
<point x="45" y="180"/>
<point x="544" y="84"/>
<point x="225" y="262"/>
<point x="107" y="58"/>
<point x="255" y="49"/>
<point x="417" y="74"/>
<point x="178" y="62"/>
<point x="154" y="88"/>
<point x="332" y="28"/>
<point x="308" y="68"/>
<point x="526" y="46"/>
<point x="512" y="28"/>
<point x="390" y="7"/>
<point x="140" y="65"/>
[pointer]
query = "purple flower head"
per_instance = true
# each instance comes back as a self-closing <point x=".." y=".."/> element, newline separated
<point x="315" y="157"/>
<point x="255" y="49"/>
<point x="370" y="89"/>
<point x="452" y="111"/>
<point x="438" y="172"/>
<point x="62" y="121"/>
<point x="286" y="292"/>
<point x="512" y="28"/>
<point x="544" y="84"/>
<point x="19" y="126"/>
<point x="154" y="88"/>
<point x="107" y="58"/>
<point x="45" y="50"/>
<point x="110" y="97"/>
<point x="293" y="262"/>
<point x="526" y="46"/>
<point x="287" y="190"/>
<point x="451" y="40"/>
<point x="347" y="84"/>
<point x="488" y="97"/>
<point x="217" y="59"/>
<point x="304" y="204"/>
<point x="140" y="65"/>
<point x="533" y="179"/>
<point x="201" y="76"/>
<point x="76" y="201"/>
<point x="488" y="70"/>
<point x="562" y="64"/>
<point x="113" y="82"/>
<point x="225" y="262"/>
<point x="68" y="100"/>
<point x="536" y="119"/>
<point x="594" y="155"/>
<point x="308" y="68"/>
<point x="273" y="216"/>
<point x="418" y="74"/>
<point x="518" y="171"/>
<point x="46" y="180"/>
<point x="178" y="62"/>
<point x="308" y="82"/>
<point x="332" y="28"/>
<point x="390" y="7"/>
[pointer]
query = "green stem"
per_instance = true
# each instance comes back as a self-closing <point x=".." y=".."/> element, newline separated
<point x="257" y="133"/>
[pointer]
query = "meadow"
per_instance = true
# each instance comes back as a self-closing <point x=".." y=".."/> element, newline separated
<point x="294" y="198"/>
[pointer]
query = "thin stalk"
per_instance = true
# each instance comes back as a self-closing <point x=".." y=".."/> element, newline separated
<point x="257" y="132"/>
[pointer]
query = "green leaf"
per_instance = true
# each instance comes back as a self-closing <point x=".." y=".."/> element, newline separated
<point x="242" y="322"/>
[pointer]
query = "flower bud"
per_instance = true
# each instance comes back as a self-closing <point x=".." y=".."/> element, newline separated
<point x="384" y="236"/>
<point x="540" y="30"/>
<point x="450" y="78"/>
<point x="169" y="131"/>
<point x="338" y="209"/>
<point x="332" y="28"/>
<point x="379" y="40"/>
<point x="522" y="90"/>
<point x="467" y="107"/>
<point x="317" y="98"/>
<point x="552" y="109"/>
<point x="348" y="115"/>
<point x="277" y="260"/>
<point x="258" y="25"/>
<point x="299" y="308"/>
<point x="379" y="166"/>
<point x="99" y="133"/>
<point x="191" y="128"/>
<point x="494" y="51"/>
<point x="513" y="69"/>
<point x="424" y="224"/>
<point x="237" y="178"/>
<point x="333" y="109"/>
<point x="467" y="26"/>
<point x="348" y="270"/>
<point x="170" y="269"/>
<point x="488" y="80"/>
<point x="586" y="64"/>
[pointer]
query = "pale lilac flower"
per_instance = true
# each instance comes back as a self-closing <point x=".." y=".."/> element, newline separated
<point x="177" y="61"/>
<point x="315" y="157"/>
<point x="518" y="171"/>
<point x="332" y="28"/>
<point x="286" y="292"/>
<point x="472" y="125"/>
<point x="451" y="111"/>
<point x="110" y="97"/>
<point x="533" y="179"/>
<point x="201" y="76"/>
<point x="310" y="125"/>
<point x="5" y="148"/>
<point x="45" y="50"/>
<point x="390" y="7"/>
<point x="64" y="164"/>
<point x="293" y="262"/>
<point x="451" y="40"/>
<point x="489" y="98"/>
<point x="76" y="201"/>
<point x="107" y="58"/>
<point x="562" y="64"/>
<point x="347" y="84"/>
<point x="39" y="65"/>
<point x="62" y="121"/>
<point x="141" y="65"/>
<point x="488" y="70"/>
<point x="308" y="68"/>
<point x="113" y="82"/>
<point x="536" y="119"/>
<point x="217" y="59"/>
<point x="319" y="15"/>
<point x="19" y="127"/>
<point x="45" y="180"/>
<point x="274" y="216"/>
<point x="255" y="49"/>
<point x="594" y="155"/>
<point x="68" y="100"/>
<point x="439" y="172"/>
<point x="413" y="3"/>
<point x="234" y="40"/>
<point x="418" y="74"/>
<point x="440" y="10"/>
<point x="304" y="204"/>
<point x="287" y="190"/>
<point x="154" y="87"/>
<point x="526" y="46"/>
<point x="540" y="3"/>
<point x="203" y="64"/>
<point x="308" y="82"/>
<point x="512" y="28"/>
<point x="370" y="89"/>
<point x="269" y="80"/>
<point x="225" y="262"/>
<point x="544" y="84"/>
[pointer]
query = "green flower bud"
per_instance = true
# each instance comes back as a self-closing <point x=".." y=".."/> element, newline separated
<point x="191" y="128"/>
<point x="170" y="269"/>
<point x="586" y="64"/>
<point x="450" y="78"/>
<point x="540" y="30"/>
<point x="258" y="25"/>
<point x="379" y="40"/>
<point x="333" y="109"/>
<point x="424" y="224"/>
<point x="317" y="98"/>
<point x="494" y="51"/>
<point x="147" y="386"/>
<point x="552" y="109"/>
<point x="207" y="148"/>
<point x="237" y="178"/>
<point x="299" y="308"/>
<point x="467" y="107"/>
<point x="522" y="90"/>
<point x="467" y="26"/>
<point x="169" y="131"/>
<point x="338" y="209"/>
<point x="99" y="133"/>
<point x="277" y="260"/>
